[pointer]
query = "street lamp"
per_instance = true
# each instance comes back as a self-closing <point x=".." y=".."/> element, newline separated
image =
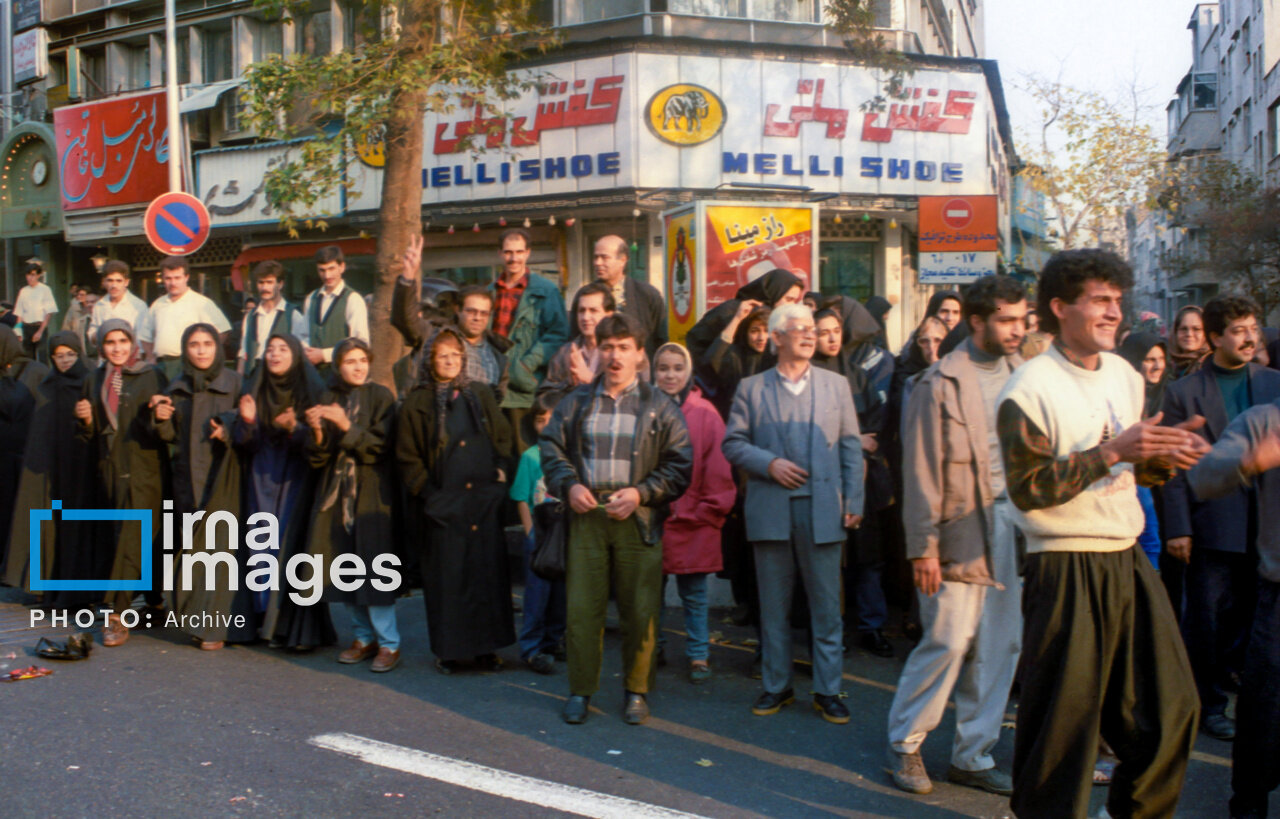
<point x="98" y="259"/>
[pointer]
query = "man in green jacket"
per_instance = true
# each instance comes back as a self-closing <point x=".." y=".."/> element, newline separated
<point x="529" y="312"/>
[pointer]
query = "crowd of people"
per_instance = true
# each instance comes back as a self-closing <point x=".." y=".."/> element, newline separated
<point x="1084" y="528"/>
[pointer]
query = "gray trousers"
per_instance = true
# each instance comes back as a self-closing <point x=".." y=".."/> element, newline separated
<point x="777" y="562"/>
<point x="971" y="642"/>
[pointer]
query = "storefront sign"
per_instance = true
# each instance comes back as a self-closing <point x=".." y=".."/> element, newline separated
<point x="30" y="55"/>
<point x="112" y="152"/>
<point x="743" y="243"/>
<point x="956" y="268"/>
<point x="682" y="257"/>
<point x="231" y="182"/>
<point x="651" y="121"/>
<point x="26" y="14"/>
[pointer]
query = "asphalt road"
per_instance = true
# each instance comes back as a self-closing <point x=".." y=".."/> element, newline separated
<point x="157" y="727"/>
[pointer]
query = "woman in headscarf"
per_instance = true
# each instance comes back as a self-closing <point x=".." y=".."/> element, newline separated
<point x="55" y="467"/>
<point x="454" y="449"/>
<point x="1146" y="353"/>
<point x="773" y="288"/>
<point x="271" y="433"/>
<point x="350" y="445"/>
<point x="195" y="416"/>
<point x="879" y="307"/>
<point x="1190" y="346"/>
<point x="19" y="377"/>
<point x="691" y="535"/>
<point x="740" y="351"/>
<point x="132" y="463"/>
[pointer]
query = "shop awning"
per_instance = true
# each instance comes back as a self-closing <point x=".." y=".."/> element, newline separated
<point x="206" y="96"/>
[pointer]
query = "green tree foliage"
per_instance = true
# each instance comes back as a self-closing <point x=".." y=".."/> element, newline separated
<point x="410" y="57"/>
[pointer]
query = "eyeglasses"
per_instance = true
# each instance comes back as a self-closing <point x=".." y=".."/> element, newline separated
<point x="803" y="332"/>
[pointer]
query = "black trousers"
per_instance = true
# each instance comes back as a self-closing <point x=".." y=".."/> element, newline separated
<point x="1221" y="587"/>
<point x="1101" y="657"/>
<point x="1255" y="756"/>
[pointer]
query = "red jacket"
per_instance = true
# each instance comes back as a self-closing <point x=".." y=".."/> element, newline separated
<point x="691" y="535"/>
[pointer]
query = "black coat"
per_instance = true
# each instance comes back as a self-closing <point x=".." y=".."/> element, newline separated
<point x="456" y="501"/>
<point x="207" y="477"/>
<point x="56" y="466"/>
<point x="132" y="466"/>
<point x="645" y="304"/>
<point x="19" y="378"/>
<point x="369" y="443"/>
<point x="1222" y="523"/>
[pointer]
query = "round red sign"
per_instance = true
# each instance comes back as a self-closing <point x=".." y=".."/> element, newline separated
<point x="957" y="213"/>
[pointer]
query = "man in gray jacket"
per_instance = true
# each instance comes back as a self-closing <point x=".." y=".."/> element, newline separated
<point x="1247" y="456"/>
<point x="794" y="429"/>
<point x="961" y="542"/>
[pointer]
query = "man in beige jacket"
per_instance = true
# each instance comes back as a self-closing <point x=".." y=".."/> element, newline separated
<point x="961" y="541"/>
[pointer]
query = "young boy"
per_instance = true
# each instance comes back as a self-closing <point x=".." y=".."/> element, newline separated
<point x="542" y="633"/>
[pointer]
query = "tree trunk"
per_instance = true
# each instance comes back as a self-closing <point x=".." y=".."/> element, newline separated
<point x="400" y="218"/>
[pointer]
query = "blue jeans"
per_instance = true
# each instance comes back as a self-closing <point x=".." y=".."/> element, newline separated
<point x="375" y="624"/>
<point x="544" y="609"/>
<point x="693" y="595"/>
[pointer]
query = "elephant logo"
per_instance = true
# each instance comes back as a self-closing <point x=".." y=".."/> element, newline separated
<point x="685" y="114"/>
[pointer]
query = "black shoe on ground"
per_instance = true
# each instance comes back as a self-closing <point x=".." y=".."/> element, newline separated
<point x="767" y="703"/>
<point x="1219" y="726"/>
<point x="831" y="709"/>
<point x="575" y="710"/>
<point x="636" y="710"/>
<point x="489" y="662"/>
<point x="542" y="663"/>
<point x="875" y="642"/>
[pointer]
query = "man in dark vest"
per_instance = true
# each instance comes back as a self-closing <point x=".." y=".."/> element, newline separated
<point x="333" y="311"/>
<point x="272" y="315"/>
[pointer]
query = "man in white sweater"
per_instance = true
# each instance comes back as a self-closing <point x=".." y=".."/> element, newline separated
<point x="1101" y="652"/>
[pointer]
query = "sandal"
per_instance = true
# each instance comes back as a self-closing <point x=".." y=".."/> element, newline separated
<point x="29" y="673"/>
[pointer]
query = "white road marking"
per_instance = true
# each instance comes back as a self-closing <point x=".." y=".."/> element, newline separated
<point x="493" y="780"/>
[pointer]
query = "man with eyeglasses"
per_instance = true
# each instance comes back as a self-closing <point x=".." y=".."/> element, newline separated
<point x="794" y="430"/>
<point x="486" y="354"/>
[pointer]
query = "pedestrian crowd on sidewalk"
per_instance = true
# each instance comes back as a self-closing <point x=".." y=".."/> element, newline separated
<point x="1072" y="510"/>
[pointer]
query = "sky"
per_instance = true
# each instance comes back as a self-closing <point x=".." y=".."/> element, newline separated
<point x="1099" y="45"/>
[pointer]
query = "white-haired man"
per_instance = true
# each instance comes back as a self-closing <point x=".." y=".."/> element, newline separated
<point x="794" y="429"/>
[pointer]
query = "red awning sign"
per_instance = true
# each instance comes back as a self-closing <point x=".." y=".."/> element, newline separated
<point x="176" y="224"/>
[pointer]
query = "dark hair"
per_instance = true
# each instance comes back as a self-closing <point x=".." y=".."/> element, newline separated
<point x="175" y="263"/>
<point x="1222" y="310"/>
<point x="825" y="312"/>
<point x="330" y="253"/>
<point x="1065" y="274"/>
<point x="980" y="298"/>
<point x="115" y="266"/>
<point x="268" y="267"/>
<point x="546" y="402"/>
<point x="591" y="288"/>
<point x="32" y="267"/>
<point x="619" y="325"/>
<point x="515" y="231"/>
<point x="474" y="290"/>
<point x="347" y="345"/>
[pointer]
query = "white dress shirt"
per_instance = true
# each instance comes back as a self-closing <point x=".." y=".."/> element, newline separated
<point x="35" y="301"/>
<point x="131" y="309"/>
<point x="357" y="314"/>
<point x="167" y="319"/>
<point x="298" y="327"/>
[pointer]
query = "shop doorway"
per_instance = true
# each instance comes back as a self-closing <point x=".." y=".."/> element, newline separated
<point x="848" y="269"/>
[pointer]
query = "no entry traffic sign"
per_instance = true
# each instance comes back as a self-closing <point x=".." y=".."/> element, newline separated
<point x="951" y="224"/>
<point x="176" y="224"/>
<point x="957" y="213"/>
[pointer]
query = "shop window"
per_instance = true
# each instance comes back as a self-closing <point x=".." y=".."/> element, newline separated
<point x="848" y="269"/>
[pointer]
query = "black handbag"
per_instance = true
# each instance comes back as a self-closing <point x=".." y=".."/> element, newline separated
<point x="550" y="522"/>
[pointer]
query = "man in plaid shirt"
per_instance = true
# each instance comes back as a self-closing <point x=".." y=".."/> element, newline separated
<point x="618" y="450"/>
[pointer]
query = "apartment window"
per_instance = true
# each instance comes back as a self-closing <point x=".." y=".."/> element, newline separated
<point x="138" y="66"/>
<point x="218" y="59"/>
<point x="268" y="39"/>
<point x="358" y="25"/>
<point x="1273" y="130"/>
<point x="315" y="33"/>
<point x="586" y="11"/>
<point x="93" y="72"/>
<point x="1204" y="91"/>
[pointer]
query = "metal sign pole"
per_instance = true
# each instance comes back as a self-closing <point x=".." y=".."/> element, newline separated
<point x="171" y="97"/>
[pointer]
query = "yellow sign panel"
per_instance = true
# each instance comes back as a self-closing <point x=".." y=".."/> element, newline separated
<point x="681" y="250"/>
<point x="685" y="114"/>
<point x="372" y="150"/>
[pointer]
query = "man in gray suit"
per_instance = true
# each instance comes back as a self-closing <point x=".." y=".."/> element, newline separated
<point x="794" y="429"/>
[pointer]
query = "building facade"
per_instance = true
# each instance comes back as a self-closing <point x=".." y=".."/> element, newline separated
<point x="644" y="107"/>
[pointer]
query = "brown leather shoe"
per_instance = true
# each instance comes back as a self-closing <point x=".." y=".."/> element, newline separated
<point x="358" y="653"/>
<point x="114" y="633"/>
<point x="385" y="661"/>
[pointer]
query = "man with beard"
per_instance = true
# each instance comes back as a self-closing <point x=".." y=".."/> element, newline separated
<point x="1215" y="537"/>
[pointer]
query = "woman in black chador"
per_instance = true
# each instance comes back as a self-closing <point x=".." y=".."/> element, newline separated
<point x="351" y="446"/>
<point x="56" y="466"/>
<point x="453" y="446"/>
<point x="132" y="463"/>
<point x="19" y="376"/>
<point x="195" y="416"/>
<point x="270" y="434"/>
